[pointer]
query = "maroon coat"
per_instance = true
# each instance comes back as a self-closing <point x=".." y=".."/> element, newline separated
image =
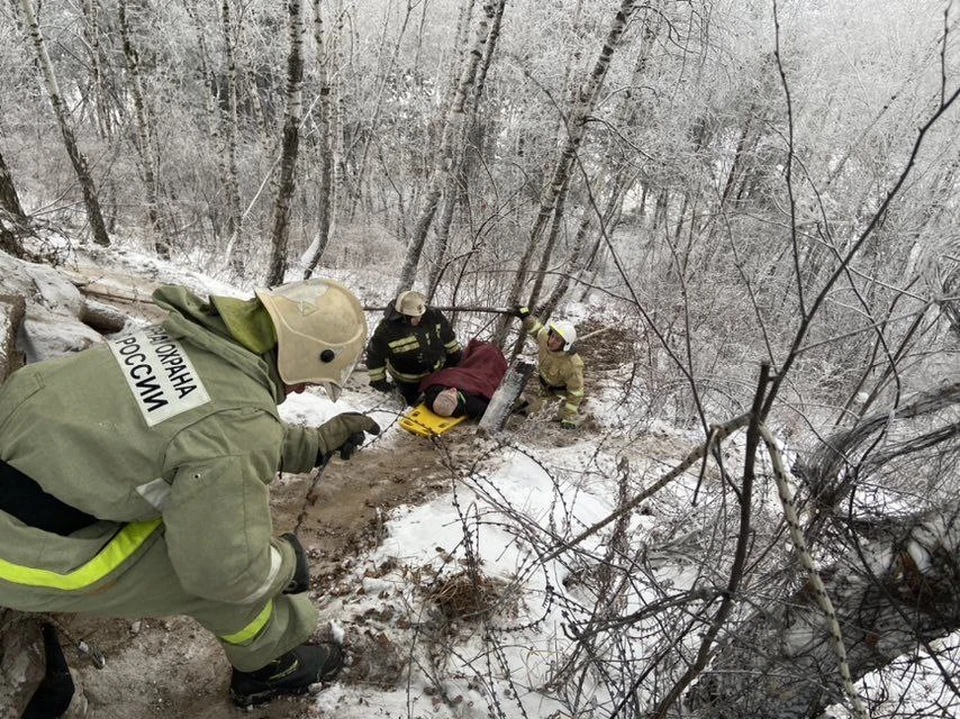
<point x="479" y="372"/>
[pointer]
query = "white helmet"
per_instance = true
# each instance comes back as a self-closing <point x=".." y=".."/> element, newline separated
<point x="411" y="304"/>
<point x="321" y="332"/>
<point x="566" y="331"/>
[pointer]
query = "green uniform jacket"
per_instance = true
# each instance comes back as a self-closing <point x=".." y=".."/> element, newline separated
<point x="560" y="370"/>
<point x="411" y="353"/>
<point x="176" y="422"/>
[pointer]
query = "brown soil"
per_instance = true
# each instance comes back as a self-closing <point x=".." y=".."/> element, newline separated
<point x="343" y="515"/>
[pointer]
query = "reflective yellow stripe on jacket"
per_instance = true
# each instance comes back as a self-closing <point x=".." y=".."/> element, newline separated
<point x="404" y="344"/>
<point x="411" y="378"/>
<point x="127" y="541"/>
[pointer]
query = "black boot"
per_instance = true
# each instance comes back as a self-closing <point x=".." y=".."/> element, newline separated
<point x="52" y="698"/>
<point x="290" y="673"/>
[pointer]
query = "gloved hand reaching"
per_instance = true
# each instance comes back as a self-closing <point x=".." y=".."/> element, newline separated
<point x="301" y="575"/>
<point x="345" y="433"/>
<point x="382" y="385"/>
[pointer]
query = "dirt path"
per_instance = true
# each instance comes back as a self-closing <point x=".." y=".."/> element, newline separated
<point x="345" y="513"/>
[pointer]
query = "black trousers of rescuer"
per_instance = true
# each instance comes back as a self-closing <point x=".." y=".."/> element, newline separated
<point x="23" y="498"/>
<point x="409" y="390"/>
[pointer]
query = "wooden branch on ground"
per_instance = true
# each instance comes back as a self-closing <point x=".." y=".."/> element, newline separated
<point x="108" y="293"/>
<point x="451" y="308"/>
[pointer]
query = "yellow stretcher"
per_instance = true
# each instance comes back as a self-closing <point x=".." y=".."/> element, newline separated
<point x="421" y="421"/>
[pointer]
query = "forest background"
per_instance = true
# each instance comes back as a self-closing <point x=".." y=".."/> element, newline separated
<point x="760" y="194"/>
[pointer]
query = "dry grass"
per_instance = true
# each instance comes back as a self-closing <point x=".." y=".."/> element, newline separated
<point x="466" y="595"/>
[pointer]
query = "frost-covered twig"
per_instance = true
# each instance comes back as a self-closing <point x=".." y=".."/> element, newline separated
<point x="721" y="432"/>
<point x="806" y="559"/>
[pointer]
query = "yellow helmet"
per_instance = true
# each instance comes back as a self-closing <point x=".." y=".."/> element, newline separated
<point x="321" y="332"/>
<point x="411" y="304"/>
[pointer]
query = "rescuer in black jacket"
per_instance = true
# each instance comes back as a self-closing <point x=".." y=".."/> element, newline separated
<point x="410" y="342"/>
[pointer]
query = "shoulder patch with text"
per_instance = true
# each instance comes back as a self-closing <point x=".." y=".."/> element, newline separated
<point x="159" y="373"/>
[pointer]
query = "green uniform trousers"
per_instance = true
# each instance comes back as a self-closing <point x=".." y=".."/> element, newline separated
<point x="147" y="586"/>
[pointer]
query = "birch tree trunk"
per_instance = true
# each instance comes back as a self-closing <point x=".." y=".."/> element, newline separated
<point x="79" y="161"/>
<point x="355" y="189"/>
<point x="604" y="221"/>
<point x="9" y="198"/>
<point x="547" y="256"/>
<point x="11" y="213"/>
<point x="92" y="29"/>
<point x="291" y="145"/>
<point x="582" y="259"/>
<point x="576" y="129"/>
<point x="458" y="180"/>
<point x="230" y="132"/>
<point x="326" y="197"/>
<point x="444" y="164"/>
<point x="142" y="136"/>
<point x="334" y="48"/>
<point x="205" y="70"/>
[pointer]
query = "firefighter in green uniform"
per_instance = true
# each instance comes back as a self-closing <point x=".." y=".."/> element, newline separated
<point x="410" y="342"/>
<point x="559" y="367"/>
<point x="133" y="480"/>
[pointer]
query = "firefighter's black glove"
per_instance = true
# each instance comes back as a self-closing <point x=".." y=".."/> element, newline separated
<point x="382" y="385"/>
<point x="343" y="433"/>
<point x="453" y="359"/>
<point x="521" y="312"/>
<point x="301" y="574"/>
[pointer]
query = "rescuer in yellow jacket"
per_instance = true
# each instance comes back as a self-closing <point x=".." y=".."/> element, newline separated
<point x="134" y="474"/>
<point x="559" y="367"/>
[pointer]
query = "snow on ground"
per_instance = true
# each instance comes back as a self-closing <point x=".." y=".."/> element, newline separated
<point x="564" y="488"/>
<point x="533" y="487"/>
<point x="429" y="540"/>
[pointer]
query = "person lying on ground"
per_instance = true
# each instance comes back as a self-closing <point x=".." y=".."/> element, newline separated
<point x="467" y="388"/>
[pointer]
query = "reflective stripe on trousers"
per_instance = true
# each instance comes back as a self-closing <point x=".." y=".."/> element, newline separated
<point x="250" y="632"/>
